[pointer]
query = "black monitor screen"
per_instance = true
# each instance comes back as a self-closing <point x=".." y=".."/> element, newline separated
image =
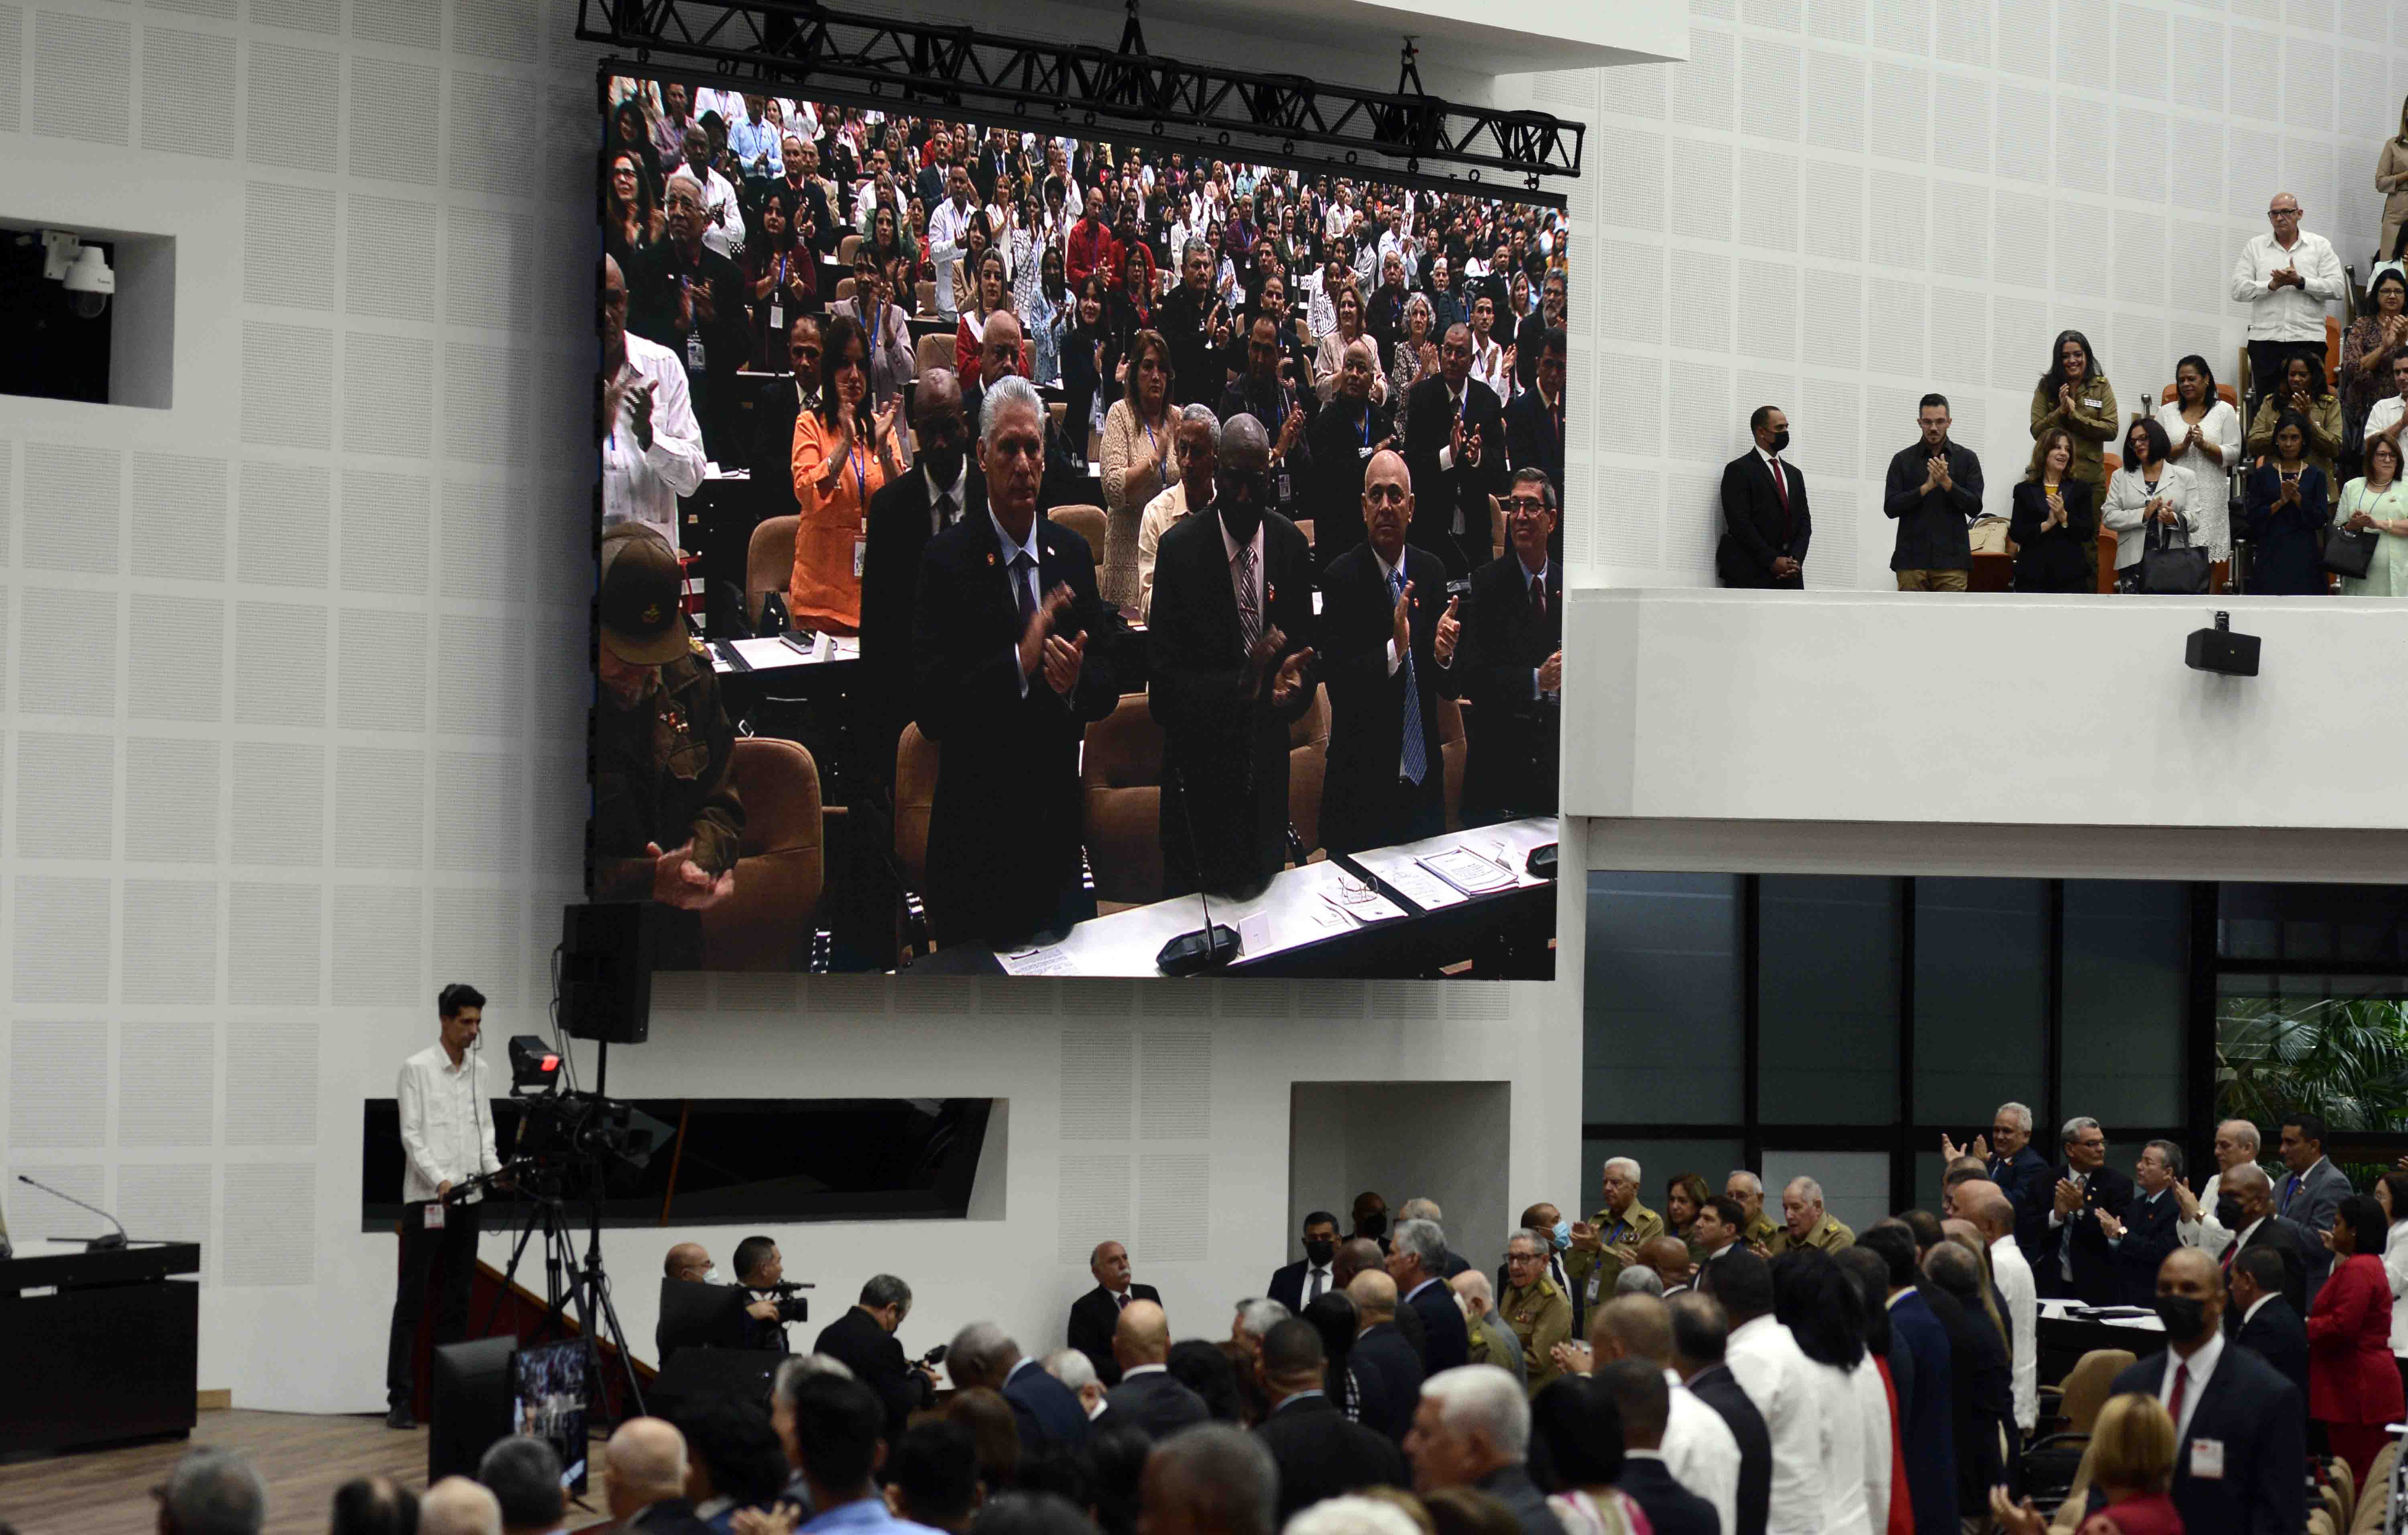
<point x="552" y="1386"/>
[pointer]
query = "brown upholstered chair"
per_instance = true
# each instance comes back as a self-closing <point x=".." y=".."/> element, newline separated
<point x="1121" y="771"/>
<point x="844" y="250"/>
<point x="933" y="352"/>
<point x="843" y="289"/>
<point x="1452" y="747"/>
<point x="1307" y="768"/>
<point x="915" y="790"/>
<point x="765" y="923"/>
<point x="768" y="562"/>
<point x="1087" y="521"/>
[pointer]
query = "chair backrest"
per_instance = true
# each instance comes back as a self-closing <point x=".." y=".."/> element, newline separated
<point x="2074" y="1509"/>
<point x="2089" y="1383"/>
<point x="768" y="562"/>
<point x="846" y="247"/>
<point x="915" y="790"/>
<point x="843" y="288"/>
<point x="1452" y="747"/>
<point x="1087" y="521"/>
<point x="1121" y="773"/>
<point x="2332" y="351"/>
<point x="782" y="869"/>
<point x="1307" y="768"/>
<point x="2224" y="391"/>
<point x="934" y="351"/>
<point x="2372" y="1501"/>
<point x="927" y="298"/>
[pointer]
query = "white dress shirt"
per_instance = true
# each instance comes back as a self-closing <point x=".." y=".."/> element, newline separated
<point x="1776" y="1378"/>
<point x="642" y="484"/>
<point x="2286" y="313"/>
<point x="2382" y="413"/>
<point x="2395" y="1263"/>
<point x="946" y="502"/>
<point x="1839" y="1427"/>
<point x="1872" y="1407"/>
<point x="724" y="234"/>
<point x="446" y="1123"/>
<point x="1164" y="512"/>
<point x="948" y="236"/>
<point x="2207" y="1233"/>
<point x="1488" y="366"/>
<point x="2013" y="1277"/>
<point x="2202" y="1365"/>
<point x="1701" y="1452"/>
<point x="2210" y="510"/>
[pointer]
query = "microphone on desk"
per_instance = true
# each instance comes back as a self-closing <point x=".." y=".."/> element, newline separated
<point x="105" y="1242"/>
<point x="1209" y="947"/>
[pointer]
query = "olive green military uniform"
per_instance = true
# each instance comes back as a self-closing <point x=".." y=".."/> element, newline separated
<point x="1761" y="1230"/>
<point x="1593" y="1274"/>
<point x="1495" y="1343"/>
<point x="1830" y="1236"/>
<point x="1541" y="1316"/>
<point x="665" y="773"/>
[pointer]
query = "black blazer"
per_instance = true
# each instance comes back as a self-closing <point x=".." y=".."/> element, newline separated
<point x="2096" y="1279"/>
<point x="1755" y="530"/>
<point x="1046" y="1410"/>
<point x="1719" y="1389"/>
<point x="2262" y="1424"/>
<point x="2027" y="1180"/>
<point x="2148" y="1236"/>
<point x="1439" y="493"/>
<point x="771" y="455"/>
<point x="897" y="537"/>
<point x="1156" y="1402"/>
<point x="1367" y="703"/>
<point x="2277" y="1336"/>
<point x="2295" y="1243"/>
<point x="1514" y="757"/>
<point x="1004" y="831"/>
<point x="1321" y="1453"/>
<point x="2286" y="558"/>
<point x="1287" y="1285"/>
<point x="1388" y="1378"/>
<point x="1534" y="439"/>
<point x="1342" y="439"/>
<point x="1982" y="1397"/>
<point x="875" y="1356"/>
<point x="2063" y="559"/>
<point x="1446" y="1339"/>
<point x="1093" y="1317"/>
<point x="1224" y="821"/>
<point x="1671" y="1508"/>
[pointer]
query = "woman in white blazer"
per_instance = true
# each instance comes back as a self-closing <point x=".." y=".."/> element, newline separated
<point x="2147" y="490"/>
<point x="2391" y="1193"/>
<point x="2205" y="435"/>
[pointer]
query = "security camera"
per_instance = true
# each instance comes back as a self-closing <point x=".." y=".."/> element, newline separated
<point x="83" y="268"/>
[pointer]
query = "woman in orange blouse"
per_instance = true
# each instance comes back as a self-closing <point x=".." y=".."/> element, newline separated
<point x="842" y="454"/>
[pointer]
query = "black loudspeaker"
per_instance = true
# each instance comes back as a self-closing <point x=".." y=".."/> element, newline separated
<point x="605" y="971"/>
<point x="2219" y="649"/>
<point x="472" y="1405"/>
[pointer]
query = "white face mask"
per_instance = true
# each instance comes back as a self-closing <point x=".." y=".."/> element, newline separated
<point x="713" y="1276"/>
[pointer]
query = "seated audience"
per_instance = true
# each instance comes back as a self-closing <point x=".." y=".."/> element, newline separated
<point x="1214" y="1479"/>
<point x="932" y="1476"/>
<point x="647" y="1458"/>
<point x="377" y="1505"/>
<point x="458" y="1506"/>
<point x="735" y="1460"/>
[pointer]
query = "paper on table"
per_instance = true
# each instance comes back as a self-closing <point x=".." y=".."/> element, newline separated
<point x="1054" y="961"/>
<point x="1417" y="885"/>
<point x="1468" y="871"/>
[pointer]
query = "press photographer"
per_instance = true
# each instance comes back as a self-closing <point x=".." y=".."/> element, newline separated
<point x="761" y="1270"/>
<point x="863" y="1339"/>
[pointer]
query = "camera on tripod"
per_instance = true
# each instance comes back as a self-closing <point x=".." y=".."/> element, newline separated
<point x="559" y="1127"/>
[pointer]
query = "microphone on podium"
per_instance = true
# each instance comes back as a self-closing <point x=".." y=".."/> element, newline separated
<point x="1212" y="946"/>
<point x="106" y="1242"/>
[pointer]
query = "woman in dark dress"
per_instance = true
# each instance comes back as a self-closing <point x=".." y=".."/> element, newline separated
<point x="2287" y="508"/>
<point x="2054" y="523"/>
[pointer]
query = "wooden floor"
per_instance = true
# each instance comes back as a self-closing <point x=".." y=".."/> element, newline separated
<point x="304" y="1457"/>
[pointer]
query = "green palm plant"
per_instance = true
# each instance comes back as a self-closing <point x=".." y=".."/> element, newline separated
<point x="2345" y="1059"/>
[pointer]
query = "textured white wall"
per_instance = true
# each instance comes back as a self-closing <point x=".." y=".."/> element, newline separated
<point x="1836" y="205"/>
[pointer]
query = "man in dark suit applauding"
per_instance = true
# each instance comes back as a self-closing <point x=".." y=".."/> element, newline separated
<point x="1011" y="660"/>
<point x="2145" y="1233"/>
<point x="1455" y="444"/>
<point x="1310" y="1277"/>
<point x="942" y="487"/>
<point x="2267" y="1326"/>
<point x="1149" y="1395"/>
<point x="1229" y="641"/>
<point x="1320" y="1452"/>
<point x="2079" y="1263"/>
<point x="1645" y="1398"/>
<point x="1387" y="1372"/>
<point x="1511" y="666"/>
<point x="1764" y="522"/>
<point x="1534" y="427"/>
<point x="1388" y="635"/>
<point x="1343" y="437"/>
<point x="1096" y="1315"/>
<point x="775" y="410"/>
<point x="2240" y="1427"/>
<point x="1417" y="1262"/>
<point x="1047" y="1412"/>
<point x="2021" y="1174"/>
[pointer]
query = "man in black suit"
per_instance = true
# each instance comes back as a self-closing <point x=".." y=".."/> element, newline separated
<point x="1511" y="664"/>
<point x="775" y="410"/>
<point x="1320" y="1452"/>
<point x="1388" y="635"/>
<point x="2240" y="1427"/>
<point x="2021" y="1174"/>
<point x="942" y="487"/>
<point x="2268" y="1326"/>
<point x="1229" y="645"/>
<point x="690" y="298"/>
<point x="1700" y="1331"/>
<point x="1388" y="1373"/>
<point x="1012" y="659"/>
<point x="1309" y="1278"/>
<point x="929" y="185"/>
<point x="1149" y="1395"/>
<point x="1270" y="390"/>
<point x="1095" y="1315"/>
<point x="1981" y="1378"/>
<point x="1343" y="437"/>
<point x="863" y="1340"/>
<point x="2145" y="1234"/>
<point x="1639" y="1390"/>
<point x="1766" y="525"/>
<point x="1417" y="1262"/>
<point x="1471" y="1428"/>
<point x="647" y="1482"/>
<point x="1533" y="422"/>
<point x="2257" y="1225"/>
<point x="1455" y="445"/>
<point x="1361" y="1254"/>
<point x="2078" y="1262"/>
<point x="1047" y="1412"/>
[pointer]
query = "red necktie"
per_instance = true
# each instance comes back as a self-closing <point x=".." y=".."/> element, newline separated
<point x="2182" y="1389"/>
<point x="1781" y="488"/>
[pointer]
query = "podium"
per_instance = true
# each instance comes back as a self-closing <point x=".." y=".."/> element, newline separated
<point x="96" y="1347"/>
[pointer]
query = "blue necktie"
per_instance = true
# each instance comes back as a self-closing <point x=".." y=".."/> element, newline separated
<point x="1025" y="592"/>
<point x="2289" y="1189"/>
<point x="1416" y="760"/>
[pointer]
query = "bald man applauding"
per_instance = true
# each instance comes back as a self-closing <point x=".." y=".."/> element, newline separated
<point x="1147" y="1395"/>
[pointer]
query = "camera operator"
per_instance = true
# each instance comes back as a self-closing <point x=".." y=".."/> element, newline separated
<point x="444" y="1099"/>
<point x="761" y="1268"/>
<point x="863" y="1339"/>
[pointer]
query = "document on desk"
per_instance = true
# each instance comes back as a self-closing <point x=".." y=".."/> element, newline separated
<point x="1468" y="871"/>
<point x="1409" y="879"/>
<point x="1052" y="961"/>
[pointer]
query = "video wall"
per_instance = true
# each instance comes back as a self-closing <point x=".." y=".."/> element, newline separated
<point x="1025" y="555"/>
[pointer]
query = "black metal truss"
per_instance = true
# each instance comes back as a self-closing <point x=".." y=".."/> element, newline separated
<point x="1131" y="97"/>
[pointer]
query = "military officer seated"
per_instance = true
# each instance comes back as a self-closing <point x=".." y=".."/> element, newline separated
<point x="667" y="825"/>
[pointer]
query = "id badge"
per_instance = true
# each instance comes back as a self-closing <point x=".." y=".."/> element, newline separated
<point x="2207" y="1459"/>
<point x="1283" y="488"/>
<point x="860" y="553"/>
<point x="777" y="316"/>
<point x="435" y="1216"/>
<point x="2093" y="405"/>
<point x="1364" y="452"/>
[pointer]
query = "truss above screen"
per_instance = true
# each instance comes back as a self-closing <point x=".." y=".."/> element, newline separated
<point x="1127" y="96"/>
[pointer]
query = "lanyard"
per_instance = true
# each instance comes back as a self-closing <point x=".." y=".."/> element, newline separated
<point x="860" y="479"/>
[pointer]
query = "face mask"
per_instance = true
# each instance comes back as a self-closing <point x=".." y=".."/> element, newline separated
<point x="2184" y="1317"/>
<point x="1319" y="1252"/>
<point x="1373" y="1225"/>
<point x="1780" y="441"/>
<point x="713" y="1276"/>
<point x="1563" y="1234"/>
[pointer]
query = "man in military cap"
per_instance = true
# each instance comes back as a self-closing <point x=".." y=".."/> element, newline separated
<point x="667" y="821"/>
<point x="1539" y="1313"/>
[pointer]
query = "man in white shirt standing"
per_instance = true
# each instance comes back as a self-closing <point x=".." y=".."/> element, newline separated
<point x="2286" y="277"/>
<point x="948" y="225"/>
<point x="1778" y="1379"/>
<point x="1987" y="1205"/>
<point x="651" y="445"/>
<point x="447" y="1137"/>
<point x="2202" y="1225"/>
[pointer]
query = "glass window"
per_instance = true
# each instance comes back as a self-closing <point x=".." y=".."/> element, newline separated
<point x="1980" y="996"/>
<point x="1658" y="1160"/>
<point x="2333" y="1045"/>
<point x="2127" y="975"/>
<point x="2354" y="924"/>
<point x="1827" y="1011"/>
<point x="1663" y="1000"/>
